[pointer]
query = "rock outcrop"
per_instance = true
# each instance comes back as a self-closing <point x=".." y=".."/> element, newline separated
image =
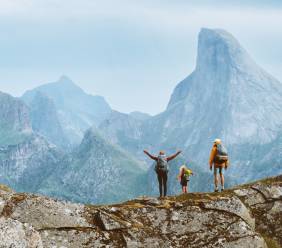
<point x="246" y="216"/>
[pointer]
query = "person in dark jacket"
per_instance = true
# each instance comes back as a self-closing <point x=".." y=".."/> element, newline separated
<point x="162" y="169"/>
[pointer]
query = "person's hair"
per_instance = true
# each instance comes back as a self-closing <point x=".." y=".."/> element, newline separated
<point x="162" y="152"/>
<point x="182" y="167"/>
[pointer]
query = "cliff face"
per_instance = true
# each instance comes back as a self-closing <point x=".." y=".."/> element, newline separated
<point x="14" y="120"/>
<point x="24" y="166"/>
<point x="25" y="157"/>
<point x="45" y="120"/>
<point x="246" y="216"/>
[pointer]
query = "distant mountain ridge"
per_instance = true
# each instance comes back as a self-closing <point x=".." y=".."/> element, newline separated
<point x="96" y="172"/>
<point x="77" y="111"/>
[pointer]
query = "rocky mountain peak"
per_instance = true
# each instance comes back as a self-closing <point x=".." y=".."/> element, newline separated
<point x="65" y="80"/>
<point x="224" y="94"/>
<point x="217" y="49"/>
<point x="77" y="110"/>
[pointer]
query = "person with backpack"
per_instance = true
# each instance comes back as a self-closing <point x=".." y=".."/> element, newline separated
<point x="162" y="169"/>
<point x="184" y="178"/>
<point x="218" y="160"/>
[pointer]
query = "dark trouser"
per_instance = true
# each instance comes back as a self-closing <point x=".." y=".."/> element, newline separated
<point x="162" y="178"/>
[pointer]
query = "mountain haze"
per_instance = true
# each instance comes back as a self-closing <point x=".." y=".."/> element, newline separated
<point x="45" y="120"/>
<point x="25" y="156"/>
<point x="77" y="111"/>
<point x="14" y="120"/>
<point x="96" y="172"/>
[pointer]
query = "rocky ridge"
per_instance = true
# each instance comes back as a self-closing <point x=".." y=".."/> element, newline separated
<point x="245" y="216"/>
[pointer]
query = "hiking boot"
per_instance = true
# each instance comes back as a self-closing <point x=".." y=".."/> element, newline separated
<point x="216" y="190"/>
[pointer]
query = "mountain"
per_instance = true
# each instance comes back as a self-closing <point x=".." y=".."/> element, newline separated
<point x="227" y="96"/>
<point x="45" y="120"/>
<point x="96" y="172"/>
<point x="125" y="131"/>
<point x="26" y="158"/>
<point x="14" y="120"/>
<point x="140" y="116"/>
<point x="235" y="218"/>
<point x="226" y="74"/>
<point x="77" y="111"/>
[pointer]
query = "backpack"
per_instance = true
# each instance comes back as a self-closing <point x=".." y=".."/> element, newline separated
<point x="186" y="177"/>
<point x="162" y="164"/>
<point x="187" y="174"/>
<point x="221" y="154"/>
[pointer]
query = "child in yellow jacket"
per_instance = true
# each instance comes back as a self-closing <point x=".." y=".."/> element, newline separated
<point x="183" y="177"/>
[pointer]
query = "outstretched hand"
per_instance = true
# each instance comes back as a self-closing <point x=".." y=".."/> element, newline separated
<point x="145" y="151"/>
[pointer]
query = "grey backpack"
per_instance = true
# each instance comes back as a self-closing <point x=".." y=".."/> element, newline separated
<point x="221" y="155"/>
<point x="162" y="164"/>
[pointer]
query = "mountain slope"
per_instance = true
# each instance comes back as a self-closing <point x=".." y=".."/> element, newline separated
<point x="140" y="116"/>
<point x="14" y="120"/>
<point x="125" y="131"/>
<point x="96" y="172"/>
<point x="235" y="218"/>
<point x="77" y="110"/>
<point x="44" y="119"/>
<point x="25" y="157"/>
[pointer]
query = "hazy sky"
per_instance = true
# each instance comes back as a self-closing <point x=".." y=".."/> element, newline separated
<point x="131" y="52"/>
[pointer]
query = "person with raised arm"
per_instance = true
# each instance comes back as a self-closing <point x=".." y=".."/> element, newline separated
<point x="162" y="169"/>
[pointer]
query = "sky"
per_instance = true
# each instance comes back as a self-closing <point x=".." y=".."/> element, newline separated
<point x="132" y="52"/>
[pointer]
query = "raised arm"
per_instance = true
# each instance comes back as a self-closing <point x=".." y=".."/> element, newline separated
<point x="151" y="156"/>
<point x="173" y="156"/>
